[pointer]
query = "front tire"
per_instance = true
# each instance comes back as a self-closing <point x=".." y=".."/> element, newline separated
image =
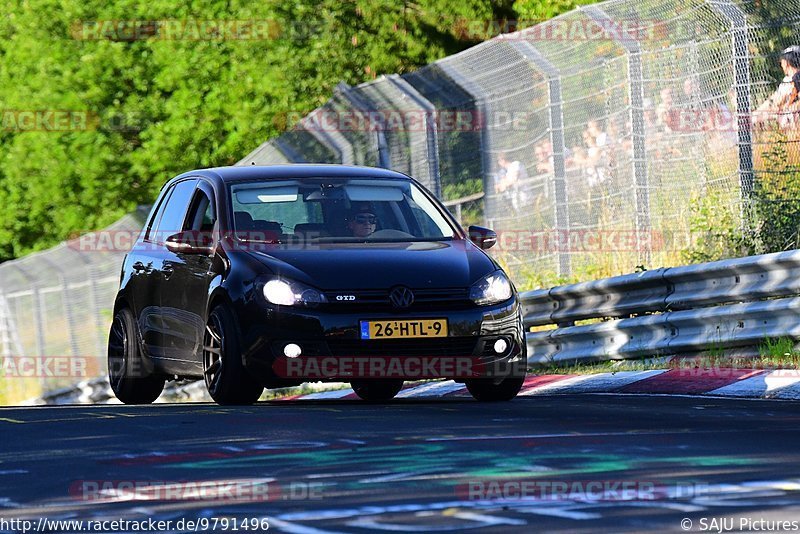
<point x="377" y="390"/>
<point x="226" y="378"/>
<point x="485" y="390"/>
<point x="132" y="378"/>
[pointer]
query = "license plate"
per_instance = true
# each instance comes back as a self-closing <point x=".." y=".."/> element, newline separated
<point x="397" y="329"/>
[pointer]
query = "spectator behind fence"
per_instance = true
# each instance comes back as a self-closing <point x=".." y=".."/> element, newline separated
<point x="790" y="113"/>
<point x="665" y="111"/>
<point x="692" y="96"/>
<point x="509" y="180"/>
<point x="593" y="164"/>
<point x="795" y="96"/>
<point x="600" y="137"/>
<point x="544" y="157"/>
<point x="772" y="107"/>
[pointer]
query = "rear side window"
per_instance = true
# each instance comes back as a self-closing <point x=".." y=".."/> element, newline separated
<point x="175" y="212"/>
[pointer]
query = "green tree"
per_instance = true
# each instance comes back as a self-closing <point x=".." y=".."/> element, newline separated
<point x="160" y="106"/>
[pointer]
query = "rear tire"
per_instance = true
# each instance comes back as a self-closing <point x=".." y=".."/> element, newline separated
<point x="226" y="378"/>
<point x="377" y="390"/>
<point x="484" y="390"/>
<point x="131" y="376"/>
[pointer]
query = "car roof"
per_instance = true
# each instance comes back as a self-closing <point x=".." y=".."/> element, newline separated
<point x="294" y="171"/>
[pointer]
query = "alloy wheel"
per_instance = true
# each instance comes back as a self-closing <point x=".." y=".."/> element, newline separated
<point x="212" y="354"/>
<point x="117" y="353"/>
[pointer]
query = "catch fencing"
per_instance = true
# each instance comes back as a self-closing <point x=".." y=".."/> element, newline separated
<point x="56" y="306"/>
<point x="618" y="116"/>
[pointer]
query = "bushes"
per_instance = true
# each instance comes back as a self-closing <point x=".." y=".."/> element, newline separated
<point x="768" y="220"/>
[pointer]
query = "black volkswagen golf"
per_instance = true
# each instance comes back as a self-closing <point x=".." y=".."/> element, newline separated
<point x="254" y="277"/>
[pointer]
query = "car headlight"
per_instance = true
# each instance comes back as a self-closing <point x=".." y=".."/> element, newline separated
<point x="291" y="293"/>
<point x="491" y="289"/>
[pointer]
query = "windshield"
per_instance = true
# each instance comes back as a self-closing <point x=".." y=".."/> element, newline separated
<point x="327" y="211"/>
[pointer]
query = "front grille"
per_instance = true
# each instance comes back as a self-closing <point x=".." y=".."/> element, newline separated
<point x="378" y="300"/>
<point x="446" y="346"/>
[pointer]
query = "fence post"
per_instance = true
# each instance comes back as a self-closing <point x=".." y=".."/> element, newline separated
<point x="742" y="84"/>
<point x="5" y="329"/>
<point x="324" y="139"/>
<point x="94" y="298"/>
<point x="636" y="92"/>
<point x="317" y="128"/>
<point x="71" y="325"/>
<point x="556" y="118"/>
<point x="384" y="158"/>
<point x="289" y="151"/>
<point x="9" y="337"/>
<point x="486" y="160"/>
<point x="37" y="308"/>
<point x="267" y="149"/>
<point x="431" y="130"/>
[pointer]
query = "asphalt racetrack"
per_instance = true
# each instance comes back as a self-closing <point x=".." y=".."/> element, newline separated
<point x="575" y="463"/>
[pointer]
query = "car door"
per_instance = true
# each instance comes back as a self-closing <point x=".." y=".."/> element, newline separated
<point x="157" y="321"/>
<point x="183" y="300"/>
<point x="140" y="263"/>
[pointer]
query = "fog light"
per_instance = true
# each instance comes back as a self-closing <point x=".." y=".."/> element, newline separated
<point x="500" y="346"/>
<point x="292" y="350"/>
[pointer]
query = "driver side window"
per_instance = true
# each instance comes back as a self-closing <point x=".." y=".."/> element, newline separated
<point x="201" y="215"/>
<point x="171" y="221"/>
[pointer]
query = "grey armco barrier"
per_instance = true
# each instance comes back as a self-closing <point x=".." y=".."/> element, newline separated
<point x="98" y="391"/>
<point x="737" y="303"/>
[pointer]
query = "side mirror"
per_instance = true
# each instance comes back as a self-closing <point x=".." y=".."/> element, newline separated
<point x="190" y="242"/>
<point x="482" y="237"/>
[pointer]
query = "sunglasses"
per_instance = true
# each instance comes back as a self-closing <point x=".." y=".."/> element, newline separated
<point x="365" y="219"/>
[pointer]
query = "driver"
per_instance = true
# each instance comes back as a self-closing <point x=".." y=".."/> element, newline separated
<point x="362" y="221"/>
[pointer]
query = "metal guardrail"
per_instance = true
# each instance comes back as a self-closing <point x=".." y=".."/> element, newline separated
<point x="98" y="391"/>
<point x="727" y="304"/>
<point x="735" y="303"/>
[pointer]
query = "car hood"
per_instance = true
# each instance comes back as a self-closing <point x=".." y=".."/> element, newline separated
<point x="421" y="264"/>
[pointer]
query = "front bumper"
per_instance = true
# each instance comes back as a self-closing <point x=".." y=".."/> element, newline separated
<point x="332" y="348"/>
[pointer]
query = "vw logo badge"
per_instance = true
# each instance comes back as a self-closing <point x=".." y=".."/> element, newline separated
<point x="401" y="297"/>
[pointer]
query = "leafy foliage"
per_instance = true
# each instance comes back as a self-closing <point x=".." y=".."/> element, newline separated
<point x="769" y="218"/>
<point x="175" y="100"/>
<point x="775" y="216"/>
<point x="532" y="11"/>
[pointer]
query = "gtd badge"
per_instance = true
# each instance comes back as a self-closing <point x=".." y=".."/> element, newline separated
<point x="343" y="298"/>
